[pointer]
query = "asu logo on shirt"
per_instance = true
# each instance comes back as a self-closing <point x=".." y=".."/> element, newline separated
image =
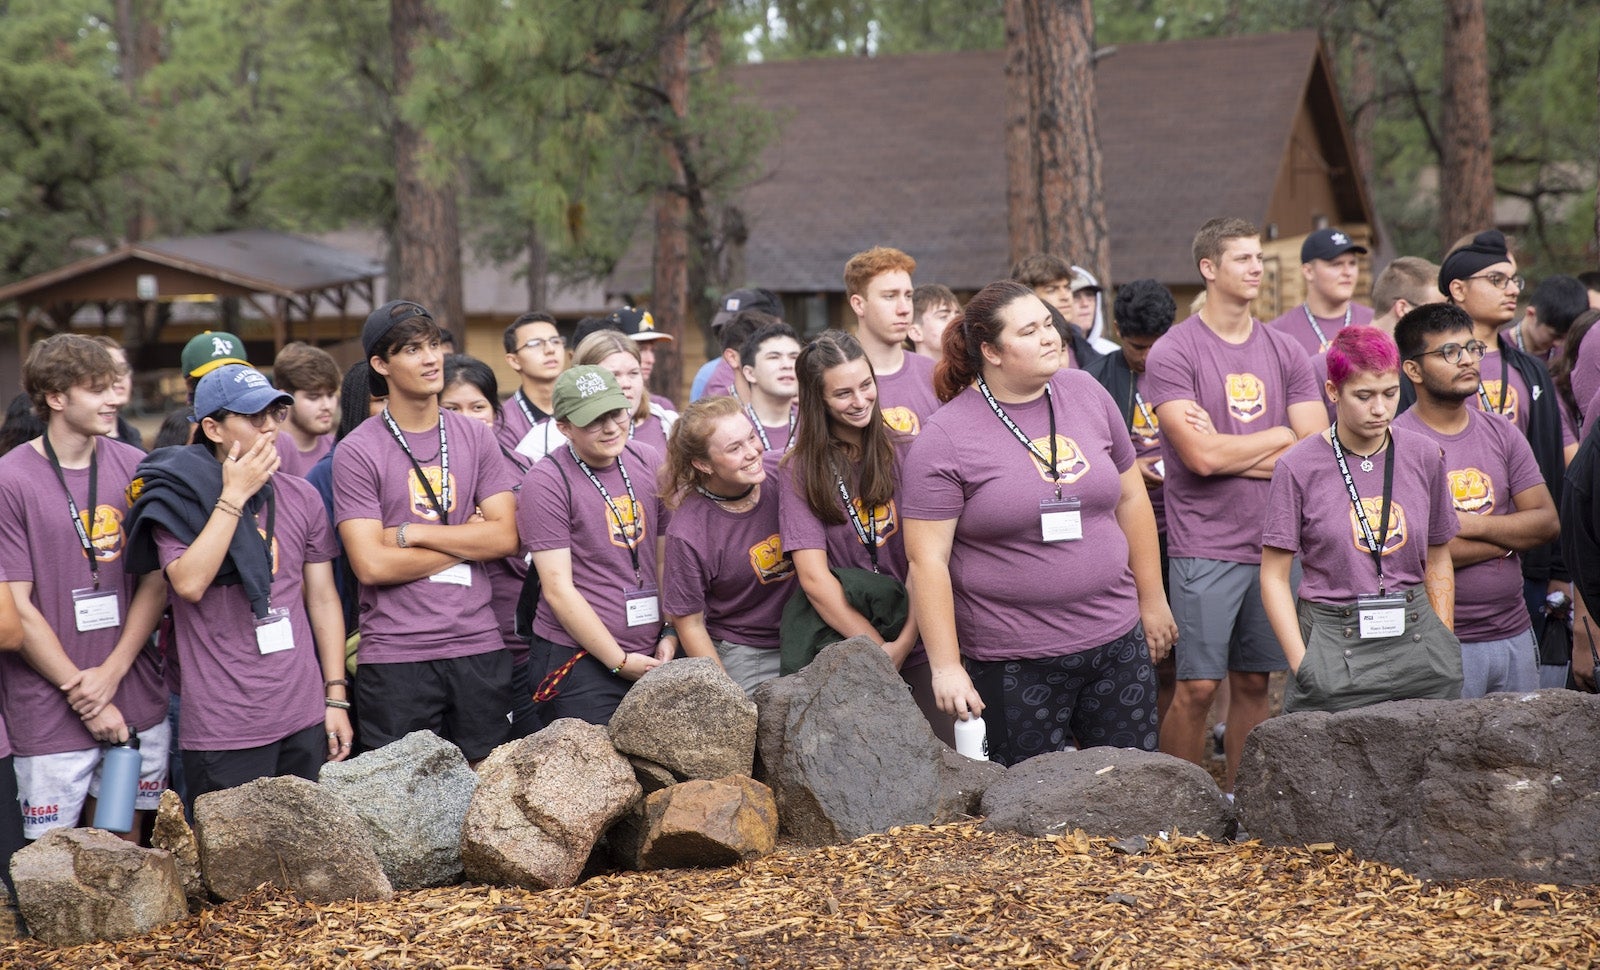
<point x="1146" y="433"/>
<point x="1471" y="491"/>
<point x="1503" y="398"/>
<point x="105" y="532"/>
<point x="1247" y="397"/>
<point x="420" y="505"/>
<point x="903" y="420"/>
<point x="769" y="562"/>
<point x="1399" y="531"/>
<point x="885" y="518"/>
<point x="625" y="522"/>
<point x="1070" y="460"/>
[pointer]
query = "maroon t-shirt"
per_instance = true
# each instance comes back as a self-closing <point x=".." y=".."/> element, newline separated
<point x="730" y="567"/>
<point x="1246" y="387"/>
<point x="38" y="545"/>
<point x="652" y="431"/>
<point x="234" y="696"/>
<point x="1296" y="323"/>
<point x="1504" y="391"/>
<point x="800" y="528"/>
<point x="428" y="618"/>
<point x="506" y="577"/>
<point x="1309" y="512"/>
<point x="293" y="461"/>
<point x="906" y="397"/>
<point x="1144" y="428"/>
<point x="722" y="381"/>
<point x="559" y="508"/>
<point x="1018" y="597"/>
<point x="1586" y="378"/>
<point x="1485" y="466"/>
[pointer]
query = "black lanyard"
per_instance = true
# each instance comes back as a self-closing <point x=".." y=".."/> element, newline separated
<point x="616" y="513"/>
<point x="868" y="534"/>
<point x="1005" y="419"/>
<point x="1322" y="340"/>
<point x="1375" y="542"/>
<point x="85" y="538"/>
<point x="766" y="443"/>
<point x="1483" y="395"/>
<point x="440" y="500"/>
<point x="532" y="412"/>
<point x="272" y="530"/>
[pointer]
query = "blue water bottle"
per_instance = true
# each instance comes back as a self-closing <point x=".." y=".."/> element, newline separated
<point x="119" y="785"/>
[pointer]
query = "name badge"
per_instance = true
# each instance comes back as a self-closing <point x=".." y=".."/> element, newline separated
<point x="96" y="609"/>
<point x="1061" y="520"/>
<point x="643" y="606"/>
<point x="1381" y="616"/>
<point x="274" y="632"/>
<point x="458" y="575"/>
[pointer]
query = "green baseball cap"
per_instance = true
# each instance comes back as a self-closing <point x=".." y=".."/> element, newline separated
<point x="585" y="394"/>
<point x="207" y="351"/>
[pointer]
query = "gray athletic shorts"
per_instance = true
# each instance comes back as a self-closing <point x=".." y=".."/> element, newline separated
<point x="749" y="667"/>
<point x="1221" y="623"/>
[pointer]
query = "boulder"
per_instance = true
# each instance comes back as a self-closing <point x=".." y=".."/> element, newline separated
<point x="1505" y="786"/>
<point x="172" y="833"/>
<point x="651" y="776"/>
<point x="847" y="752"/>
<point x="79" y="885"/>
<point x="412" y="795"/>
<point x="542" y="803"/>
<point x="688" y="717"/>
<point x="708" y="823"/>
<point x="290" y="833"/>
<point x="1111" y="792"/>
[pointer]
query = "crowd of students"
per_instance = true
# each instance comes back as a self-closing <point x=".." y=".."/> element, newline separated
<point x="1079" y="540"/>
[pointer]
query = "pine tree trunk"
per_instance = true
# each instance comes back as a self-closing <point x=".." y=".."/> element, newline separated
<point x="427" y="226"/>
<point x="1466" y="178"/>
<point x="1069" y="194"/>
<point x="669" y="301"/>
<point x="1022" y="224"/>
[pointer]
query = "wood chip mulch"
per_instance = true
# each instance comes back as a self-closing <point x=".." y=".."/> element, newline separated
<point x="947" y="896"/>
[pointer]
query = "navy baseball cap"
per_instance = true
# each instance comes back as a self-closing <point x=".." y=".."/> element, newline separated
<point x="1327" y="244"/>
<point x="236" y="388"/>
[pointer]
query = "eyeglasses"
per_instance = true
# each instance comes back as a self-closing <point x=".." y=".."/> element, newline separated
<point x="1453" y="353"/>
<point x="279" y="413"/>
<point x="618" y="417"/>
<point x="537" y="344"/>
<point x="1499" y="280"/>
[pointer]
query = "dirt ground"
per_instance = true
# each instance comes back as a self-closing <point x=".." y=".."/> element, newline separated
<point x="945" y="896"/>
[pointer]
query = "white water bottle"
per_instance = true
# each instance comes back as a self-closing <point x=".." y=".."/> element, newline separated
<point x="972" y="738"/>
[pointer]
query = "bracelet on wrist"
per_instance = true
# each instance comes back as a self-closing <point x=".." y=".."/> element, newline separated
<point x="617" y="670"/>
<point x="223" y="505"/>
<point x="400" y="536"/>
<point x="341" y="682"/>
<point x="334" y="702"/>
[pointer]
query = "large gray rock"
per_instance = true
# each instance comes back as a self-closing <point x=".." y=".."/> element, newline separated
<point x="698" y="824"/>
<point x="290" y="833"/>
<point x="847" y="752"/>
<point x="688" y="717"/>
<point x="173" y="834"/>
<point x="413" y="796"/>
<point x="1114" y="792"/>
<point x="1506" y="786"/>
<point x="79" y="885"/>
<point x="542" y="803"/>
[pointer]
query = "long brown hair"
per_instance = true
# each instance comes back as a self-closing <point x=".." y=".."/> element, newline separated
<point x="965" y="335"/>
<point x="690" y="442"/>
<point x="817" y="451"/>
<point x="602" y="344"/>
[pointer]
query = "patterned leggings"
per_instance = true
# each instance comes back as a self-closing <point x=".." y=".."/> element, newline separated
<point x="1104" y="695"/>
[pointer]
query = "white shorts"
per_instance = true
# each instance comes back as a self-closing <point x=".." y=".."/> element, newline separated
<point x="53" y="787"/>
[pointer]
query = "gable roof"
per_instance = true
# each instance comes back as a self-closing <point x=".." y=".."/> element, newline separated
<point x="909" y="151"/>
<point x="247" y="260"/>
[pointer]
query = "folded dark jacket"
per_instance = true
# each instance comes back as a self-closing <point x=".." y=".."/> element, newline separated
<point x="880" y="599"/>
<point x="176" y="488"/>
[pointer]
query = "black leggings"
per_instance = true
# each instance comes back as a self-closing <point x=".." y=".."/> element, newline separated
<point x="1105" y="695"/>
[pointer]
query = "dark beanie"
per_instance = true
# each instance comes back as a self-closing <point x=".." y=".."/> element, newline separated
<point x="1486" y="249"/>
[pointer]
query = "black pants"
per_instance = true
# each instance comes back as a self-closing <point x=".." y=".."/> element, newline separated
<point x="589" y="691"/>
<point x="465" y="700"/>
<point x="300" y="754"/>
<point x="10" y="821"/>
<point x="1105" y="695"/>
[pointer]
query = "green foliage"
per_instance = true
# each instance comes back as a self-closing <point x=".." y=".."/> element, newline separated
<point x="814" y="28"/>
<point x="66" y="134"/>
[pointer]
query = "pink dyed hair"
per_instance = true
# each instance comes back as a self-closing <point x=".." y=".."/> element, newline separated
<point x="1361" y="350"/>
